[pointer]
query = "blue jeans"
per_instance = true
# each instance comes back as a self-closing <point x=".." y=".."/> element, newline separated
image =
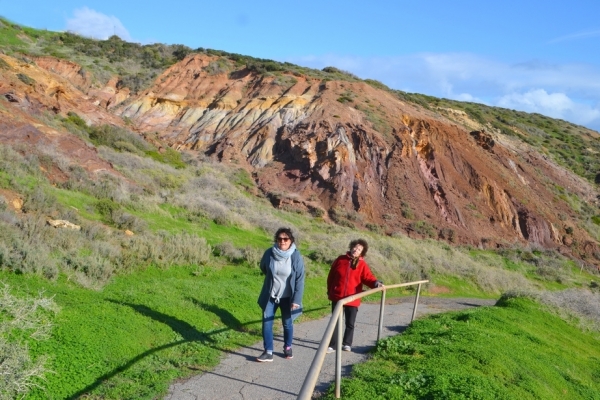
<point x="286" y="318"/>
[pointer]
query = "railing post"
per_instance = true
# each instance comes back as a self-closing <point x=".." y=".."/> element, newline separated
<point x="338" y="357"/>
<point x="416" y="302"/>
<point x="381" y="306"/>
<point x="336" y="320"/>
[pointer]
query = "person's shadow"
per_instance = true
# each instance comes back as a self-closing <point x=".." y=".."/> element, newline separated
<point x="187" y="331"/>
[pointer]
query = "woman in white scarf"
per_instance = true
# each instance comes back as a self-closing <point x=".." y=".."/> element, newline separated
<point x="283" y="288"/>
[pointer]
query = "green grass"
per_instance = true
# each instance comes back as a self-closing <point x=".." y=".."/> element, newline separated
<point x="515" y="350"/>
<point x="173" y="219"/>
<point x="458" y="287"/>
<point x="169" y="156"/>
<point x="145" y="329"/>
<point x="148" y="326"/>
<point x="83" y="203"/>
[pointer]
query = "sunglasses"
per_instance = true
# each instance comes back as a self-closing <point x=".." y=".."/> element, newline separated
<point x="283" y="239"/>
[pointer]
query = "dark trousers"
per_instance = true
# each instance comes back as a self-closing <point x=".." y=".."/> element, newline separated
<point x="349" y="319"/>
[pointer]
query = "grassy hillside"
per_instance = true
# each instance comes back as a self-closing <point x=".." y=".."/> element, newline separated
<point x="162" y="278"/>
<point x="136" y="312"/>
<point x="137" y="65"/>
<point x="515" y="350"/>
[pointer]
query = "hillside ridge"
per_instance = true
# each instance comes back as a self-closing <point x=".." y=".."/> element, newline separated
<point x="348" y="150"/>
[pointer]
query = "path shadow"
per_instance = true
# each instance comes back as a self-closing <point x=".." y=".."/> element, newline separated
<point x="187" y="331"/>
<point x="471" y="304"/>
<point x="397" y="328"/>
<point x="226" y="317"/>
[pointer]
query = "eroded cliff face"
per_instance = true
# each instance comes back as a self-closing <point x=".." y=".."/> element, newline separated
<point x="342" y="149"/>
<point x="349" y="146"/>
<point x="29" y="91"/>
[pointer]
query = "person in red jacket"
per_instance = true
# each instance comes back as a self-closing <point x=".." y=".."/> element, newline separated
<point x="348" y="274"/>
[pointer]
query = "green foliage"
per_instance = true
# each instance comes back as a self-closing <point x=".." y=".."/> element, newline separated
<point x="26" y="79"/>
<point x="220" y="66"/>
<point x="377" y="117"/>
<point x="106" y="207"/>
<point x="424" y="228"/>
<point x="338" y="72"/>
<point x="136" y="335"/>
<point x="106" y="135"/>
<point x="242" y="178"/>
<point x="406" y="211"/>
<point x="376" y="84"/>
<point x="136" y="64"/>
<point x="574" y="147"/>
<point x="22" y="319"/>
<point x="146" y="327"/>
<point x="448" y="234"/>
<point x="375" y="228"/>
<point x="76" y="120"/>
<point x="168" y="156"/>
<point x="502" y="352"/>
<point x="346" y="97"/>
<point x="149" y="328"/>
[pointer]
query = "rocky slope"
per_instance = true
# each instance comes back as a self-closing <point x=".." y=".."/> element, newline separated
<point x="345" y="150"/>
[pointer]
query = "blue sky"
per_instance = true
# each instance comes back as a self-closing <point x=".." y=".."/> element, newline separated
<point x="534" y="56"/>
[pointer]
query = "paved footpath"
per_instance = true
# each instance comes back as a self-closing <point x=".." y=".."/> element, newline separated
<point x="240" y="376"/>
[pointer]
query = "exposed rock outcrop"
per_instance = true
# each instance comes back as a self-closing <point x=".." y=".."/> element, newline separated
<point x="320" y="145"/>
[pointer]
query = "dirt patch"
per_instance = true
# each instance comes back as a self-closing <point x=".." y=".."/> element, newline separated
<point x="13" y="200"/>
<point x="439" y="290"/>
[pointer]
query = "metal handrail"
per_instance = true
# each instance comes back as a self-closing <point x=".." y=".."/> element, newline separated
<point x="336" y="317"/>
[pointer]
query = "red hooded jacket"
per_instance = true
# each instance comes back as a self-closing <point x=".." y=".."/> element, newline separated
<point x="343" y="281"/>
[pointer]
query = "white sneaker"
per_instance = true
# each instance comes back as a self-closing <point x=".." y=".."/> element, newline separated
<point x="346" y="348"/>
<point x="330" y="350"/>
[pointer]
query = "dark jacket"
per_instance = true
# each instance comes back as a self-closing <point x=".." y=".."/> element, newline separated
<point x="344" y="281"/>
<point x="296" y="279"/>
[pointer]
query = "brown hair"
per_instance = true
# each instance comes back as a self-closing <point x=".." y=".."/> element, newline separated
<point x="363" y="243"/>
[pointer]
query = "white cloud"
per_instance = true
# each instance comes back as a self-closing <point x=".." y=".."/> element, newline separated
<point x="575" y="36"/>
<point x="91" y="23"/>
<point x="556" y="105"/>
<point x="567" y="91"/>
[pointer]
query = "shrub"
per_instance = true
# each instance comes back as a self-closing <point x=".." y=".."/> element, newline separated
<point x="376" y="84"/>
<point x="76" y="120"/>
<point x="229" y="251"/>
<point x="26" y="79"/>
<point x="217" y="67"/>
<point x="407" y="211"/>
<point x="106" y="208"/>
<point x="26" y="319"/>
<point x="252" y="256"/>
<point x="423" y="228"/>
<point x="40" y="201"/>
<point x="389" y="217"/>
<point x="112" y="136"/>
<point x="448" y="234"/>
<point x="124" y="220"/>
<point x="374" y="228"/>
<point x="317" y="212"/>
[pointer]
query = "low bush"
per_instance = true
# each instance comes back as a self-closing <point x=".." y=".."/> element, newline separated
<point x="22" y="320"/>
<point x="229" y="251"/>
<point x="423" y="228"/>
